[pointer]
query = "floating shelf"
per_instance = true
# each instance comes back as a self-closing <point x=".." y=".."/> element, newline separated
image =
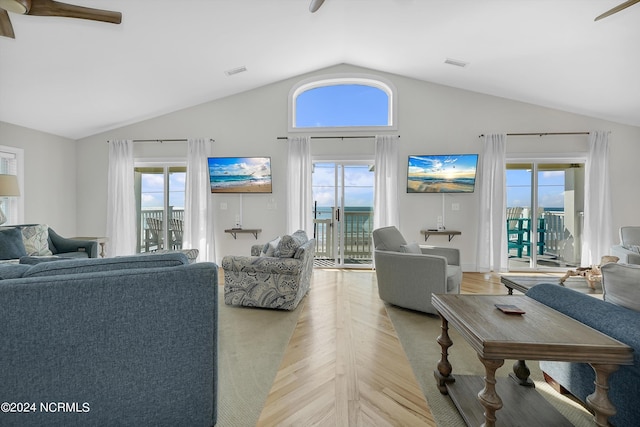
<point x="450" y="233"/>
<point x="235" y="231"/>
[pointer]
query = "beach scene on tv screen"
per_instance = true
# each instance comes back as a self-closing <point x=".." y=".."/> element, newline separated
<point x="442" y="173"/>
<point x="240" y="174"/>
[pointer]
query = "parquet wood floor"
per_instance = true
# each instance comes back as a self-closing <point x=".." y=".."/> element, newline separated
<point x="344" y="365"/>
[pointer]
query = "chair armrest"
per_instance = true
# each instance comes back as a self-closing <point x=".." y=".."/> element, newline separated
<point x="626" y="256"/>
<point x="412" y="270"/>
<point x="256" y="264"/>
<point x="62" y="245"/>
<point x="451" y="254"/>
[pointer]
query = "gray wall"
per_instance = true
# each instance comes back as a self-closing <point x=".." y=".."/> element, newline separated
<point x="433" y="119"/>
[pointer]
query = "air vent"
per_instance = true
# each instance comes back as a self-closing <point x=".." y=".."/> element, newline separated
<point x="236" y="71"/>
<point x="456" y="62"/>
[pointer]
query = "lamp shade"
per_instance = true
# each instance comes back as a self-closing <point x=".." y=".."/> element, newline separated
<point x="9" y="186"/>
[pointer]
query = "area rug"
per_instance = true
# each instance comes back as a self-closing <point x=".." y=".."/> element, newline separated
<point x="418" y="332"/>
<point x="252" y="342"/>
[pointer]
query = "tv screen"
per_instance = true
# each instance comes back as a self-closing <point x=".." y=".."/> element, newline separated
<point x="240" y="174"/>
<point x="451" y="173"/>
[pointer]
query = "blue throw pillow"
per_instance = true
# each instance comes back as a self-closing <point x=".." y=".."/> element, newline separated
<point x="11" y="244"/>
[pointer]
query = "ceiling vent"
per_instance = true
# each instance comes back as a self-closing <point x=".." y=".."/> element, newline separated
<point x="236" y="71"/>
<point x="456" y="62"/>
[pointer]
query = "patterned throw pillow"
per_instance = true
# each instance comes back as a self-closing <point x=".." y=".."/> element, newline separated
<point x="36" y="240"/>
<point x="289" y="244"/>
<point x="270" y="248"/>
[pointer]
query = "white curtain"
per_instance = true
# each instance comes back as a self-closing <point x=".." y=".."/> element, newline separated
<point x="299" y="194"/>
<point x="492" y="232"/>
<point x="385" y="199"/>
<point x="121" y="206"/>
<point x="198" y="210"/>
<point x="597" y="201"/>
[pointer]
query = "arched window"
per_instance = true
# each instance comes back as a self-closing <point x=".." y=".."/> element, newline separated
<point x="342" y="102"/>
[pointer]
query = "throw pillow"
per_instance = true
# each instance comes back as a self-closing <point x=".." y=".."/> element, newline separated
<point x="410" y="248"/>
<point x="269" y="249"/>
<point x="289" y="244"/>
<point x="36" y="239"/>
<point x="11" y="244"/>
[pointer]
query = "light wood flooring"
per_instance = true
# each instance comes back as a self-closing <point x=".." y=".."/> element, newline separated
<point x="344" y="365"/>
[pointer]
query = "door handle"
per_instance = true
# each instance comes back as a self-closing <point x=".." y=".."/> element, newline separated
<point x="338" y="214"/>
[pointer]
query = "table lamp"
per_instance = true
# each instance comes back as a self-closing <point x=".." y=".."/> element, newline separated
<point x="8" y="188"/>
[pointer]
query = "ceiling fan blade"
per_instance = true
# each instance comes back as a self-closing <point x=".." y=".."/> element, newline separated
<point x="616" y="9"/>
<point x="6" y="29"/>
<point x="54" y="8"/>
<point x="315" y="5"/>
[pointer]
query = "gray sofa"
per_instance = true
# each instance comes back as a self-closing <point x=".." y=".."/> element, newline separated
<point x="611" y="319"/>
<point x="276" y="275"/>
<point x="41" y="240"/>
<point x="629" y="248"/>
<point x="126" y="341"/>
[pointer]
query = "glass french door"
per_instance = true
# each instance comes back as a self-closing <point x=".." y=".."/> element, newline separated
<point x="343" y="213"/>
<point x="160" y="200"/>
<point x="544" y="214"/>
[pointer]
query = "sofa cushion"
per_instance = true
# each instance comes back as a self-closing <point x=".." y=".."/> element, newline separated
<point x="11" y="244"/>
<point x="89" y="265"/>
<point x="33" y="260"/>
<point x="12" y="271"/>
<point x="410" y="248"/>
<point x="289" y="244"/>
<point x="388" y="239"/>
<point x="36" y="239"/>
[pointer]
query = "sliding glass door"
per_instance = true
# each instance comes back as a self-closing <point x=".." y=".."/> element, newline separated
<point x="544" y="214"/>
<point x="343" y="213"/>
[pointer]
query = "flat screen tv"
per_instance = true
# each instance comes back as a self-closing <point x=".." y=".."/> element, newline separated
<point x="240" y="174"/>
<point x="450" y="173"/>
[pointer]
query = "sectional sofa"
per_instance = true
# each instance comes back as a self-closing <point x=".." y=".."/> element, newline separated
<point x="109" y="341"/>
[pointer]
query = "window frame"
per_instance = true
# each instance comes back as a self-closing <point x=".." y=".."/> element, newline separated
<point x="344" y="79"/>
<point x="18" y="154"/>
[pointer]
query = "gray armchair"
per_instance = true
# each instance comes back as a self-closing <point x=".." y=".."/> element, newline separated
<point x="621" y="285"/>
<point x="408" y="274"/>
<point x="629" y="248"/>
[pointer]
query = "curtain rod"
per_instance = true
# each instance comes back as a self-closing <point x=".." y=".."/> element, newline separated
<point x="163" y="140"/>
<point x="338" y="137"/>
<point x="543" y="134"/>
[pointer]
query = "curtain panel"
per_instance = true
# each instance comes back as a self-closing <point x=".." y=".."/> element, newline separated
<point x="598" y="213"/>
<point x="121" y="207"/>
<point x="199" y="217"/>
<point x="385" y="199"/>
<point x="299" y="192"/>
<point x="491" y="251"/>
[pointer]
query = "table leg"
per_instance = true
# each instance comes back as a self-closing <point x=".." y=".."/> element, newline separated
<point x="521" y="374"/>
<point x="599" y="399"/>
<point x="488" y="397"/>
<point x="443" y="373"/>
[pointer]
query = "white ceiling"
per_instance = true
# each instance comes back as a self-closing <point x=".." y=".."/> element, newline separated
<point x="76" y="78"/>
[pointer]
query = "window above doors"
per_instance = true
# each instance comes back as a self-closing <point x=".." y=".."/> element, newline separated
<point x="342" y="102"/>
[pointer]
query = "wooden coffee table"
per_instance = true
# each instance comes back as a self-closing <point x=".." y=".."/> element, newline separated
<point x="540" y="334"/>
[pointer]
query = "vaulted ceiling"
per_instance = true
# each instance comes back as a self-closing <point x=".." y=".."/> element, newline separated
<point x="76" y="78"/>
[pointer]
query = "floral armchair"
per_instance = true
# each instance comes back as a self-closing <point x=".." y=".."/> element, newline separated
<point x="276" y="275"/>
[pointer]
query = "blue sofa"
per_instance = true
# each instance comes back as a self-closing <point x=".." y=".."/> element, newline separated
<point x="616" y="321"/>
<point x="127" y="341"/>
<point x="12" y="243"/>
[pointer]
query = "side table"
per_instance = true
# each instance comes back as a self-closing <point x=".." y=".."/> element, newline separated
<point x="102" y="241"/>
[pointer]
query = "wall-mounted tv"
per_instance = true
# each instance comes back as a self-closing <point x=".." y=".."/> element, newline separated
<point x="240" y="174"/>
<point x="451" y="173"/>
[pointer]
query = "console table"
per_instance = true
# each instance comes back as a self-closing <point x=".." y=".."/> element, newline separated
<point x="235" y="231"/>
<point x="102" y="241"/>
<point x="449" y="233"/>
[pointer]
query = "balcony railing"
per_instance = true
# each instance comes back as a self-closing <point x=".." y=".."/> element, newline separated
<point x="151" y="229"/>
<point x="357" y="242"/>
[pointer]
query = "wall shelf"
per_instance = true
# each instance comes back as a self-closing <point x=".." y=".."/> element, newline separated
<point x="450" y="233"/>
<point x="235" y="231"/>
